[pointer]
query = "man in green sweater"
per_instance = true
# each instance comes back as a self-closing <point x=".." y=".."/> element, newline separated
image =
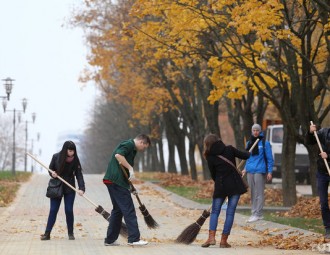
<point x="119" y="190"/>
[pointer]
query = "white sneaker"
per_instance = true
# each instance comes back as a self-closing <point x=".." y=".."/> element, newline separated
<point x="260" y="217"/>
<point x="253" y="218"/>
<point x="138" y="243"/>
<point x="115" y="243"/>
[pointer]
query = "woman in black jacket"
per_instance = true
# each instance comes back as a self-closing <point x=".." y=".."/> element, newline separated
<point x="227" y="184"/>
<point x="66" y="164"/>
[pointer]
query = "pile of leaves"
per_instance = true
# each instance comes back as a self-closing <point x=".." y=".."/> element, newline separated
<point x="179" y="180"/>
<point x="7" y="192"/>
<point x="294" y="241"/>
<point x="306" y="207"/>
<point x="9" y="185"/>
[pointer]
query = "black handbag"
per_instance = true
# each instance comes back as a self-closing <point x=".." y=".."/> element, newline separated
<point x="55" y="188"/>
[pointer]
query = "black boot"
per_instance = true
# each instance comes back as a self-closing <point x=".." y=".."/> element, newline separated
<point x="71" y="236"/>
<point x="327" y="235"/>
<point x="45" y="236"/>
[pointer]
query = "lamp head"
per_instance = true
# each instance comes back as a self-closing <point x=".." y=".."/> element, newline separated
<point x="8" y="86"/>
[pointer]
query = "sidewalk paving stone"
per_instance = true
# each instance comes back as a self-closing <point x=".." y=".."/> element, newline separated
<point x="24" y="221"/>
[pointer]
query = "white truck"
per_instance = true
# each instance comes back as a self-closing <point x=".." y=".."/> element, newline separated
<point x="274" y="134"/>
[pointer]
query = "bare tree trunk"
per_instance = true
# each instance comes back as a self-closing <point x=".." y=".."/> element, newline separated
<point x="171" y="157"/>
<point x="287" y="169"/>
<point x="192" y="162"/>
<point x="313" y="152"/>
<point x="182" y="154"/>
<point x="234" y="119"/>
<point x="161" y="166"/>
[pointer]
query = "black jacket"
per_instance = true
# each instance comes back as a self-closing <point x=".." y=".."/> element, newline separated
<point x="70" y="170"/>
<point x="324" y="137"/>
<point x="227" y="181"/>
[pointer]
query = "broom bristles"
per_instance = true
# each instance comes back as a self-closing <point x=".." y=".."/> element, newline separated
<point x="148" y="219"/>
<point x="106" y="215"/>
<point x="103" y="212"/>
<point x="151" y="223"/>
<point x="189" y="234"/>
<point x="123" y="230"/>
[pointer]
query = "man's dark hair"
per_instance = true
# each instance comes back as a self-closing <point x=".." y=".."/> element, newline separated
<point x="144" y="138"/>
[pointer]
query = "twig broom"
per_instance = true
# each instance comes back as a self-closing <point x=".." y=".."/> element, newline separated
<point x="98" y="208"/>
<point x="149" y="220"/>
<point x="189" y="234"/>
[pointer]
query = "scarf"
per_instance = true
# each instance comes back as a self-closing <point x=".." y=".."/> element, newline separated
<point x="69" y="159"/>
<point x="255" y="150"/>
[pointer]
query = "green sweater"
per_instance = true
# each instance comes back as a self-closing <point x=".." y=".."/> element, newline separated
<point x="114" y="172"/>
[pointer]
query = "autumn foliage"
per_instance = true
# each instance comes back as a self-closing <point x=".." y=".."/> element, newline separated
<point x="168" y="61"/>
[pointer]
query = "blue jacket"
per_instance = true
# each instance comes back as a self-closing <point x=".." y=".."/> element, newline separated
<point x="256" y="163"/>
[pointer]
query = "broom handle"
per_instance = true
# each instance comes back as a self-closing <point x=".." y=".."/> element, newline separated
<point x="320" y="146"/>
<point x="250" y="150"/>
<point x="51" y="171"/>
<point x="130" y="183"/>
<point x="241" y="163"/>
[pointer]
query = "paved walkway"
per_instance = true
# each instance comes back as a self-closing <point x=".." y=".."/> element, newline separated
<point x="24" y="221"/>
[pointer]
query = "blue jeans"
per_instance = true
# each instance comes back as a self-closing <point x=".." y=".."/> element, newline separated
<point x="230" y="213"/>
<point x="68" y="208"/>
<point x="122" y="206"/>
<point x="322" y="186"/>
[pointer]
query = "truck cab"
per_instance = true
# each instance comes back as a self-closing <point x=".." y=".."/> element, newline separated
<point x="274" y="134"/>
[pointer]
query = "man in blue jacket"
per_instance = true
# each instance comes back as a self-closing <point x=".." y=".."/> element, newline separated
<point x="259" y="168"/>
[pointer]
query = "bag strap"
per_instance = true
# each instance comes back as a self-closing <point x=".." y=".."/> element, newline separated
<point x="230" y="163"/>
<point x="265" y="155"/>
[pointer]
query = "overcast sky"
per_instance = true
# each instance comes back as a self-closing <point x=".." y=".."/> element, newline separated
<point x="45" y="59"/>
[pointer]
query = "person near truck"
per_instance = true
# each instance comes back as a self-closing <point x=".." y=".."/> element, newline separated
<point x="258" y="168"/>
<point x="322" y="176"/>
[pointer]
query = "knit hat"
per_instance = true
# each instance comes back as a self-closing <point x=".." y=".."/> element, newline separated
<point x="256" y="127"/>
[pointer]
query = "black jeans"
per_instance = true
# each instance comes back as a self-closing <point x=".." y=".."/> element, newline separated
<point x="322" y="186"/>
<point x="122" y="206"/>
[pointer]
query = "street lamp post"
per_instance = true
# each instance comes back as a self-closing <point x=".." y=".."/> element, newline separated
<point x="26" y="138"/>
<point x="32" y="141"/>
<point x="8" y="87"/>
<point x="4" y="104"/>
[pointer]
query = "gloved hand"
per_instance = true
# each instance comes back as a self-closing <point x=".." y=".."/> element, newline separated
<point x="131" y="174"/>
<point x="133" y="190"/>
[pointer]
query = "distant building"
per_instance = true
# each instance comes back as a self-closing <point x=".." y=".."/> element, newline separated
<point x="75" y="136"/>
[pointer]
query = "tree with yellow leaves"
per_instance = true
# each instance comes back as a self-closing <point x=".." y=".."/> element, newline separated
<point x="276" y="49"/>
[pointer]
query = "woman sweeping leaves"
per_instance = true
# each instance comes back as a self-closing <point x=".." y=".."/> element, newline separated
<point x="66" y="164"/>
<point x="227" y="184"/>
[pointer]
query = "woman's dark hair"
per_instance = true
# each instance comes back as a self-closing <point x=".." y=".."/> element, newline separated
<point x="209" y="140"/>
<point x="68" y="145"/>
